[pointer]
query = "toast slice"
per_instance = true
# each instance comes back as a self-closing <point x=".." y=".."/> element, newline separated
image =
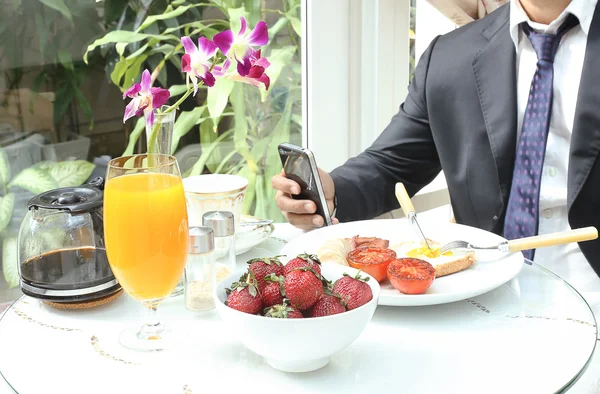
<point x="447" y="264"/>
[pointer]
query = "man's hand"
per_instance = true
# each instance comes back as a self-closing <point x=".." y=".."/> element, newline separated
<point x="301" y="213"/>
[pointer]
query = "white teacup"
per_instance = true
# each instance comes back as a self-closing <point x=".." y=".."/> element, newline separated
<point x="214" y="192"/>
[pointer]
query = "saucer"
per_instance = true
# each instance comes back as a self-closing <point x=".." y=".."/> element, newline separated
<point x="248" y="236"/>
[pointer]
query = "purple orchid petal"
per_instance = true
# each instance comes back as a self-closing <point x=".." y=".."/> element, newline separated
<point x="251" y="81"/>
<point x="146" y="82"/>
<point x="208" y="79"/>
<point x="244" y="26"/>
<point x="149" y="115"/>
<point x="188" y="45"/>
<point x="260" y="35"/>
<point x="266" y="80"/>
<point x="219" y="71"/>
<point x="224" y="41"/>
<point x="206" y="47"/>
<point x="160" y="97"/>
<point x="243" y="67"/>
<point x="132" y="91"/>
<point x="256" y="71"/>
<point x="262" y="62"/>
<point x="141" y="109"/>
<point x="186" y="61"/>
<point x="194" y="82"/>
<point x="131" y="109"/>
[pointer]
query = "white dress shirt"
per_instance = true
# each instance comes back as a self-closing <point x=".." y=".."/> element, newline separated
<point x="566" y="261"/>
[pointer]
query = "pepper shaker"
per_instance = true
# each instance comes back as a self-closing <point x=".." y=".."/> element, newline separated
<point x="199" y="270"/>
<point x="222" y="223"/>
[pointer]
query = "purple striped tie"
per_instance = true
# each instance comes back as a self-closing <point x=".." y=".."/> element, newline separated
<point x="522" y="214"/>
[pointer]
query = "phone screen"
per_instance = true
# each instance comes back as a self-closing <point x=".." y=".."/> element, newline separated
<point x="297" y="167"/>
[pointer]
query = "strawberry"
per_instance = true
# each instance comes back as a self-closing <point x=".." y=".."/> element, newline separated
<point x="272" y="293"/>
<point x="303" y="260"/>
<point x="353" y="292"/>
<point x="244" y="296"/>
<point x="283" y="311"/>
<point x="263" y="267"/>
<point x="327" y="305"/>
<point x="303" y="287"/>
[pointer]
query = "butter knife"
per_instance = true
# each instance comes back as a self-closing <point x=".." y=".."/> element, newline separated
<point x="409" y="212"/>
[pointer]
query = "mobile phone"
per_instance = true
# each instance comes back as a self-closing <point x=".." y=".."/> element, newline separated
<point x="300" y="166"/>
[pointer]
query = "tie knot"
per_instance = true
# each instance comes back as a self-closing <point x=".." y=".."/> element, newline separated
<point x="544" y="44"/>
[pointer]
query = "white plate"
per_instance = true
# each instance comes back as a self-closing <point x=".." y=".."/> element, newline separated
<point x="491" y="270"/>
<point x="249" y="237"/>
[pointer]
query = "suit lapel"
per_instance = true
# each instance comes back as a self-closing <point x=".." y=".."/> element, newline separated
<point x="585" y="141"/>
<point x="495" y="75"/>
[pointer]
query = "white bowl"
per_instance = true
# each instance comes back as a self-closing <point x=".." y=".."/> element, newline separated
<point x="299" y="345"/>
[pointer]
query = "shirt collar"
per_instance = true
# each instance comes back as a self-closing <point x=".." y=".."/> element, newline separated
<point x="582" y="9"/>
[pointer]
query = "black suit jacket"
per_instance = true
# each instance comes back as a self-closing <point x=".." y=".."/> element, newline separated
<point x="461" y="115"/>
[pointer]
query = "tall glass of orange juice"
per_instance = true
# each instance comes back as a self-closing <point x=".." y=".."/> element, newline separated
<point x="146" y="235"/>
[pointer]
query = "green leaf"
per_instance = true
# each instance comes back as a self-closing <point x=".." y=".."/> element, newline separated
<point x="167" y="15"/>
<point x="218" y="97"/>
<point x="296" y="25"/>
<point x="279" y="58"/>
<point x="120" y="47"/>
<point x="85" y="106"/>
<point x="34" y="180"/>
<point x="184" y="124"/>
<point x="60" y="6"/>
<point x="177" y="90"/>
<point x="208" y="136"/>
<point x="234" y="18"/>
<point x="207" y="151"/>
<point x="4" y="168"/>
<point x="126" y="36"/>
<point x="62" y="100"/>
<point x="250" y="194"/>
<point x="41" y="33"/>
<point x="165" y="49"/>
<point x="133" y="71"/>
<point x="241" y="127"/>
<point x="71" y="173"/>
<point x="117" y="74"/>
<point x="44" y="165"/>
<point x="64" y="56"/>
<point x="7" y="204"/>
<point x="10" y="262"/>
<point x="135" y="134"/>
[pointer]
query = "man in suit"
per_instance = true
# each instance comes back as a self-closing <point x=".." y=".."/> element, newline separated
<point x="509" y="107"/>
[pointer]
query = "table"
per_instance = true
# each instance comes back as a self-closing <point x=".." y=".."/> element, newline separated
<point x="540" y="332"/>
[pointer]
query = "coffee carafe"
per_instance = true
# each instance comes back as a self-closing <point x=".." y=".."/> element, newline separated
<point x="62" y="256"/>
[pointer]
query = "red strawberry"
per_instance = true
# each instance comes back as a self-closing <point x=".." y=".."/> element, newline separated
<point x="353" y="292"/>
<point x="283" y="311"/>
<point x="327" y="305"/>
<point x="272" y="293"/>
<point x="303" y="260"/>
<point x="244" y="296"/>
<point x="263" y="267"/>
<point x="303" y="287"/>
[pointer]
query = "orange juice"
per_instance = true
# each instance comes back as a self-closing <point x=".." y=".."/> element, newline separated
<point x="146" y="233"/>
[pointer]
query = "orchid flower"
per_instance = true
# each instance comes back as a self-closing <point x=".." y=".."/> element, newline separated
<point x="196" y="61"/>
<point x="145" y="99"/>
<point x="256" y="74"/>
<point x="239" y="47"/>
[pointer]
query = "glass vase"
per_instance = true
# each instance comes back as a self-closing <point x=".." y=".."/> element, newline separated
<point x="159" y="137"/>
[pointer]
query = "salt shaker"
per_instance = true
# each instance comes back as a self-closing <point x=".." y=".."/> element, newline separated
<point x="223" y="226"/>
<point x="200" y="270"/>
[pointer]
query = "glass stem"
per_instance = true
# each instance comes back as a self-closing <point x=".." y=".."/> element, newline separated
<point x="152" y="327"/>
